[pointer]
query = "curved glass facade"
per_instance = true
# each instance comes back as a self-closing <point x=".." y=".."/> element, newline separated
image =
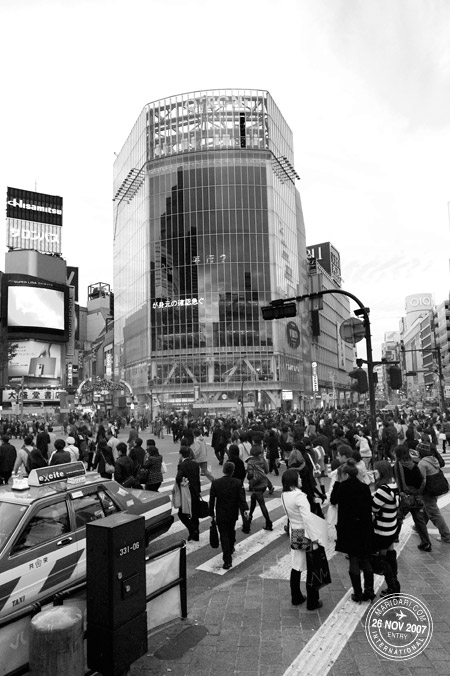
<point x="207" y="229"/>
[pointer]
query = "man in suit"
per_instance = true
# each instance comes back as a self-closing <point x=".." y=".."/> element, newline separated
<point x="190" y="470"/>
<point x="226" y="498"/>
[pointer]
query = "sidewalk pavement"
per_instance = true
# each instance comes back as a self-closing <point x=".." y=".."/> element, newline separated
<point x="246" y="625"/>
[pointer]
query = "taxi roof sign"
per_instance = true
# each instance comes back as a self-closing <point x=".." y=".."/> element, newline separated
<point x="53" y="473"/>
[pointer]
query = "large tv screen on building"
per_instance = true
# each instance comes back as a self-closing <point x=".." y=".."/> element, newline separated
<point x="35" y="307"/>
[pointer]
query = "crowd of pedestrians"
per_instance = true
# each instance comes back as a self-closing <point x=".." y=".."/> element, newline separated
<point x="330" y="468"/>
<point x="364" y="487"/>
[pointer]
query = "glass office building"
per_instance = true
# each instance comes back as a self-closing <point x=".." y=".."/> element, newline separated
<point x="208" y="228"/>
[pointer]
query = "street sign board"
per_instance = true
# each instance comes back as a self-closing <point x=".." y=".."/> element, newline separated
<point x="352" y="330"/>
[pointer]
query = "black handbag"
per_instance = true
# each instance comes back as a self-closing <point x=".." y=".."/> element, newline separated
<point x="436" y="484"/>
<point x="318" y="571"/>
<point x="142" y="475"/>
<point x="213" y="535"/>
<point x="408" y="498"/>
<point x="203" y="509"/>
<point x="299" y="541"/>
<point x="409" y="501"/>
<point x="297" y="536"/>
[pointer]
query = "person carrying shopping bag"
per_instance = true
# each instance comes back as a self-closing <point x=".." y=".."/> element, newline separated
<point x="298" y="511"/>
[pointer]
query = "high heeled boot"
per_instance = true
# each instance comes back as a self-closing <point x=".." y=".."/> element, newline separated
<point x="368" y="593"/>
<point x="390" y="573"/>
<point x="357" y="595"/>
<point x="297" y="597"/>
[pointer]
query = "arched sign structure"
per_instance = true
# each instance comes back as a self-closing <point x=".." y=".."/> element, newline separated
<point x="101" y="385"/>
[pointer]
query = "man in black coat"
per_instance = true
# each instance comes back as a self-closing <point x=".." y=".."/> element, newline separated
<point x="190" y="470"/>
<point x="42" y="441"/>
<point x="226" y="498"/>
<point x="219" y="441"/>
<point x="8" y="455"/>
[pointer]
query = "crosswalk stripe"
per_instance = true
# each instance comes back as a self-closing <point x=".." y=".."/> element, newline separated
<point x="245" y="549"/>
<point x="204" y="536"/>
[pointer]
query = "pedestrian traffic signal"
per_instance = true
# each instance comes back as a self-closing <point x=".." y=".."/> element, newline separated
<point x="361" y="384"/>
<point x="395" y="377"/>
<point x="279" y="311"/>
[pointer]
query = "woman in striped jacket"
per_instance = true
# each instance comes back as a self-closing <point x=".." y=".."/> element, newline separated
<point x="386" y="525"/>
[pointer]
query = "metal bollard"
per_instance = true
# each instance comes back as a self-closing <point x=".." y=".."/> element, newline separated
<point x="57" y="643"/>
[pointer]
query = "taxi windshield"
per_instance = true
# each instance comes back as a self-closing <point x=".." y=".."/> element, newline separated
<point x="10" y="515"/>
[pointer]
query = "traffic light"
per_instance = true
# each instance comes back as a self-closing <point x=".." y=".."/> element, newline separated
<point x="315" y="322"/>
<point x="361" y="384"/>
<point x="395" y="377"/>
<point x="279" y="311"/>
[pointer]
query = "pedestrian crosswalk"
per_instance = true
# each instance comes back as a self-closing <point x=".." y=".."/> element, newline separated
<point x="245" y="549"/>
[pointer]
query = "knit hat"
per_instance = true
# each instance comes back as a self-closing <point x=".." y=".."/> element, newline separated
<point x="423" y="448"/>
<point x="70" y="440"/>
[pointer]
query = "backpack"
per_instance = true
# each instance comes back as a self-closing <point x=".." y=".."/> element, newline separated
<point x="28" y="462"/>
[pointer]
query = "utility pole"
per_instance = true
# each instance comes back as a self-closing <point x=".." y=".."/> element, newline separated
<point x="21" y="397"/>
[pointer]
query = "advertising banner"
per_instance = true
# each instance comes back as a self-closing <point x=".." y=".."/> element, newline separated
<point x="328" y="257"/>
<point x="37" y="395"/>
<point x="108" y="363"/>
<point x="33" y="221"/>
<point x="35" y="359"/>
<point x="419" y="302"/>
<point x="36" y="207"/>
<point x="70" y="348"/>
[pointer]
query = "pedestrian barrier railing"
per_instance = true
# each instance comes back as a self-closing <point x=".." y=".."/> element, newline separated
<point x="166" y="599"/>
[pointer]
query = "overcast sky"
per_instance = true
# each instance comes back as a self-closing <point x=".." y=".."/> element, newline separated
<point x="363" y="84"/>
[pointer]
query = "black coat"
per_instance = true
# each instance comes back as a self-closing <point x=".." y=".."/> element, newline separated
<point x="227" y="497"/>
<point x="354" y="525"/>
<point x="239" y="468"/>
<point x="8" y="455"/>
<point x="191" y="470"/>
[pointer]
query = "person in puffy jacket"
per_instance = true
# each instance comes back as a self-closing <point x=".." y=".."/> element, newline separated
<point x="429" y="466"/>
<point x="257" y="469"/>
<point x="153" y="466"/>
<point x="124" y="464"/>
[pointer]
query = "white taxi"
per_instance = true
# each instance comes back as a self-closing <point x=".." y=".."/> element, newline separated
<point x="43" y="528"/>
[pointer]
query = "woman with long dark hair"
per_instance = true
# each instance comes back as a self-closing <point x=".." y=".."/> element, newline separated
<point x="104" y="456"/>
<point x="354" y="529"/>
<point x="298" y="511"/>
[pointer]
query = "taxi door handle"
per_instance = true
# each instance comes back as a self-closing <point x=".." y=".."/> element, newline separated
<point x="65" y="541"/>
